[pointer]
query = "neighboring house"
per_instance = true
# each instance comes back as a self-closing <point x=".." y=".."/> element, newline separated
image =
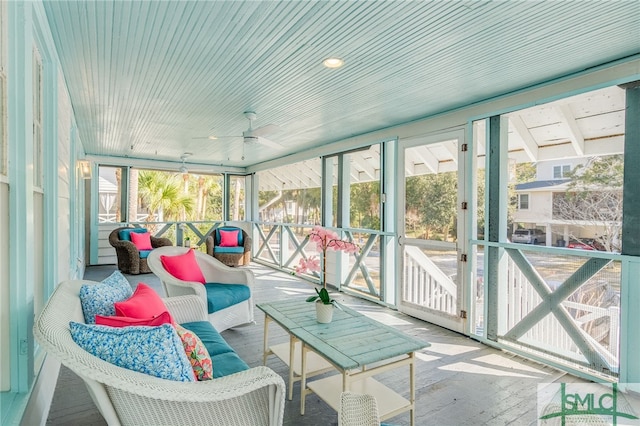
<point x="108" y="193"/>
<point x="535" y="208"/>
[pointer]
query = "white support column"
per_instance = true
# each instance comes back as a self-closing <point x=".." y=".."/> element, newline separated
<point x="254" y="183"/>
<point x="249" y="202"/>
<point x="496" y="213"/>
<point x="327" y="191"/>
<point x="391" y="179"/>
<point x="344" y="187"/>
<point x="548" y="235"/>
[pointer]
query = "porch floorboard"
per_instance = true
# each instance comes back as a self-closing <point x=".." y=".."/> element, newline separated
<point x="458" y="381"/>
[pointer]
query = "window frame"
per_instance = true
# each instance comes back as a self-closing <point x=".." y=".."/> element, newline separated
<point x="520" y="204"/>
<point x="563" y="169"/>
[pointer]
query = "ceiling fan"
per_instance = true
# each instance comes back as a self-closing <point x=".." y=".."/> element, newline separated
<point x="254" y="136"/>
<point x="183" y="169"/>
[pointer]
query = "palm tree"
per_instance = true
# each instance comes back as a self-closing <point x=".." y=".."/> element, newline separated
<point x="162" y="194"/>
<point x="209" y="187"/>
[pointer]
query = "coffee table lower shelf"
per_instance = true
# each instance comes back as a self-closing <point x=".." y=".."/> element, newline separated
<point x="315" y="363"/>
<point x="389" y="402"/>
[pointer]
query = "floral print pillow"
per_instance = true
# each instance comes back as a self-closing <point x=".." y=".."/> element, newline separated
<point x="98" y="299"/>
<point x="156" y="351"/>
<point x="196" y="353"/>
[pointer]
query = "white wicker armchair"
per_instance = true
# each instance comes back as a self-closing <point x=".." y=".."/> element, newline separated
<point x="213" y="271"/>
<point x="358" y="410"/>
<point x="125" y="397"/>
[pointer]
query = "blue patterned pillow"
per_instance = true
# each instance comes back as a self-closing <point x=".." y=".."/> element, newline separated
<point x="157" y="351"/>
<point x="98" y="299"/>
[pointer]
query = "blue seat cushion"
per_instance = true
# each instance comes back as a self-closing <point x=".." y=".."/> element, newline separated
<point x="144" y="254"/>
<point x="229" y="228"/>
<point x="225" y="364"/>
<point x="225" y="360"/>
<point x="220" y="296"/>
<point x="219" y="249"/>
<point x="124" y="233"/>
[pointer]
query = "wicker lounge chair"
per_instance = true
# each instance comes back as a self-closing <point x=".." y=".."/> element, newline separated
<point x="230" y="256"/>
<point x="124" y="397"/>
<point x="214" y="272"/>
<point x="130" y="259"/>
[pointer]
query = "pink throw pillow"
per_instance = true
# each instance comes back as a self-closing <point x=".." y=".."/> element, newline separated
<point x="116" y="321"/>
<point x="143" y="304"/>
<point x="183" y="266"/>
<point x="142" y="240"/>
<point x="229" y="238"/>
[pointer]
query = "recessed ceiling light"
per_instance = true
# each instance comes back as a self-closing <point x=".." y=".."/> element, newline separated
<point x="333" y="62"/>
<point x="212" y="137"/>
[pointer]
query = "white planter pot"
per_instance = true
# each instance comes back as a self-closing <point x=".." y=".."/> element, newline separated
<point x="324" y="313"/>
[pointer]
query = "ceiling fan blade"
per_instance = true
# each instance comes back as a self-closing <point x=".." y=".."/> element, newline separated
<point x="270" y="143"/>
<point x="268" y="129"/>
<point x="218" y="137"/>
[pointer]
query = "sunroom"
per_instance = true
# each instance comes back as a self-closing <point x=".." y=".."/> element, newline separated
<point x="447" y="127"/>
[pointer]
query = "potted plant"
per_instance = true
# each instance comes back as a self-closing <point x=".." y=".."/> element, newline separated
<point x="325" y="239"/>
<point x="324" y="305"/>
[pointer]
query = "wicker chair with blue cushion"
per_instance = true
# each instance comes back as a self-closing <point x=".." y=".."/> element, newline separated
<point x="232" y="253"/>
<point x="130" y="259"/>
<point x="225" y="292"/>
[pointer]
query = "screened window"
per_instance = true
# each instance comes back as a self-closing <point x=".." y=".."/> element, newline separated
<point x="165" y="196"/>
<point x="291" y="193"/>
<point x="110" y="191"/>
<point x="523" y="201"/>
<point x="562" y="171"/>
<point x="236" y="198"/>
<point x="140" y="195"/>
<point x="557" y="194"/>
<point x="360" y="208"/>
<point x="364" y="197"/>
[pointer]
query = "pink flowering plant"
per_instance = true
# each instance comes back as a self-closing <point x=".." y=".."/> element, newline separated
<point x="325" y="239"/>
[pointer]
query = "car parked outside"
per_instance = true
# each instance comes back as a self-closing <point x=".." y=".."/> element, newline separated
<point x="529" y="236"/>
<point x="586" y="244"/>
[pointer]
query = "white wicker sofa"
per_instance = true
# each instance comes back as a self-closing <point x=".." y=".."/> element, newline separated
<point x="251" y="397"/>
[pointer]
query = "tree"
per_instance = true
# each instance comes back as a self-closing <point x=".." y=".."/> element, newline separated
<point x="365" y="205"/>
<point x="266" y="202"/>
<point x="162" y="194"/>
<point x="594" y="197"/>
<point x="432" y="198"/>
<point x="480" y="202"/>
<point x="209" y="198"/>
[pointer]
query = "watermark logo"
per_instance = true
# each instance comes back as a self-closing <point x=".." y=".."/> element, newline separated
<point x="586" y="403"/>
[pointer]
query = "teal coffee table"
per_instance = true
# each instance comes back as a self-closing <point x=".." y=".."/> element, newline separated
<point x="356" y="346"/>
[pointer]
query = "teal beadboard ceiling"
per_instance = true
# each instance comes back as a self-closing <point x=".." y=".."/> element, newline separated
<point x="155" y="79"/>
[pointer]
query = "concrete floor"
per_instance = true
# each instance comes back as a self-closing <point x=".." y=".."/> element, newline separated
<point x="458" y="381"/>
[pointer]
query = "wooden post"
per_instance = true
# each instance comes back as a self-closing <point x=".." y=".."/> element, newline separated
<point x="496" y="177"/>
